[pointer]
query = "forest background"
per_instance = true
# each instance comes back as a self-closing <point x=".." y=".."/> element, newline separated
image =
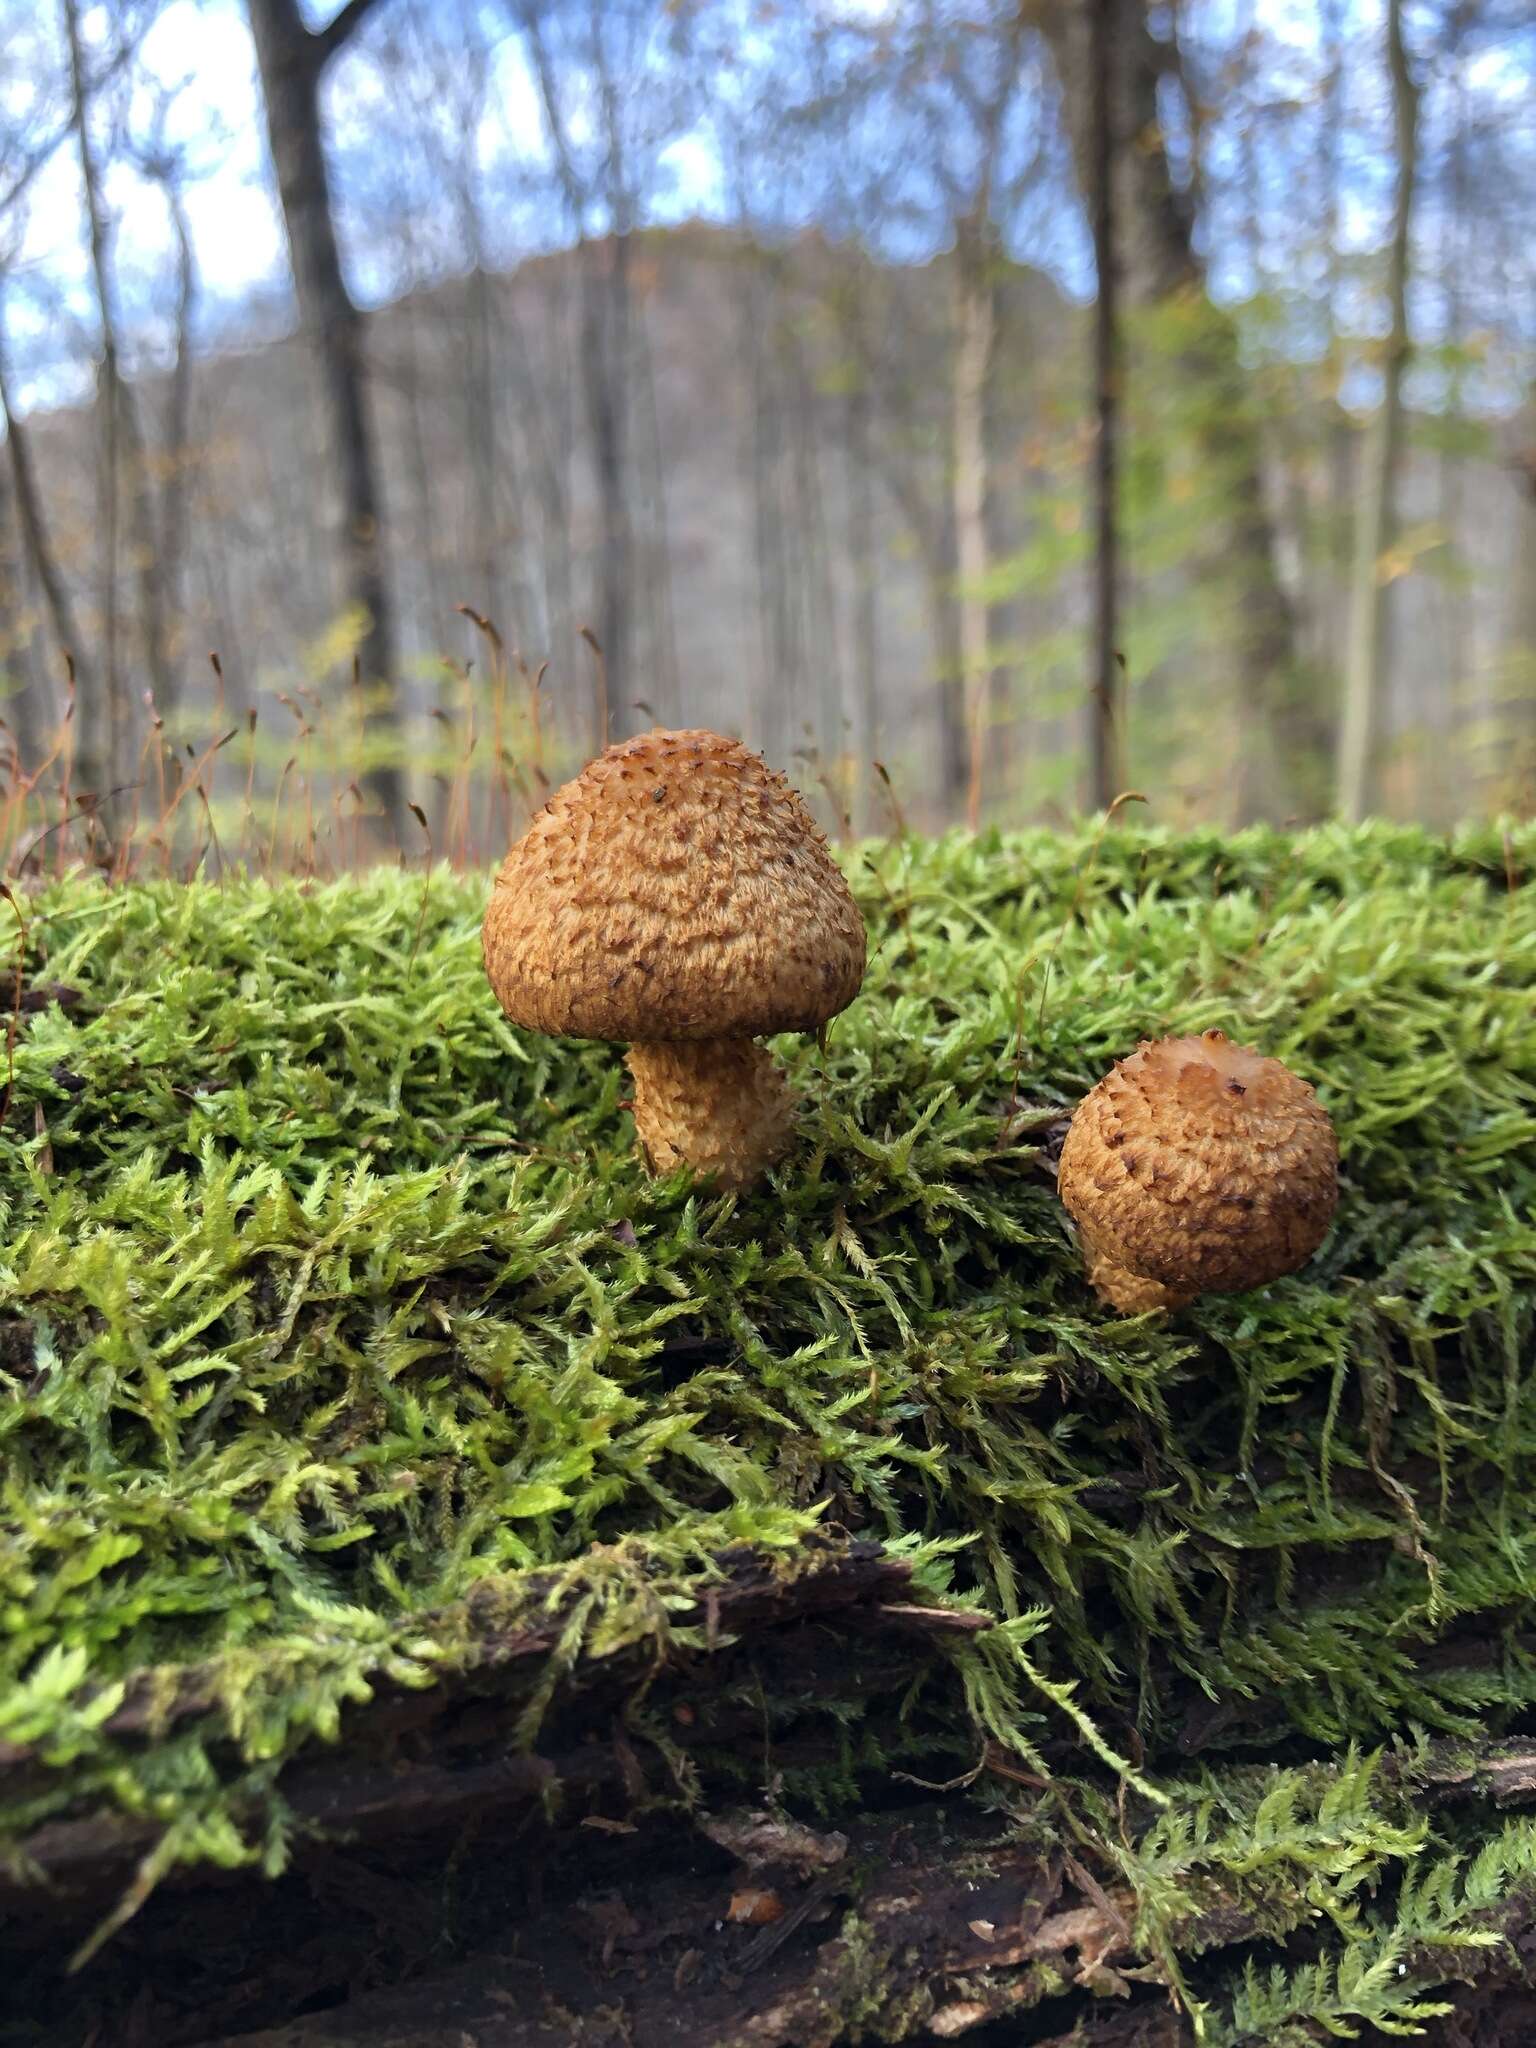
<point x="749" y="365"/>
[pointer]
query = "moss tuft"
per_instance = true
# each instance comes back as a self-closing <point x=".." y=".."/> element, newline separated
<point x="342" y="1335"/>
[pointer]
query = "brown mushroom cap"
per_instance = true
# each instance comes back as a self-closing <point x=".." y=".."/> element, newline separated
<point x="1198" y="1165"/>
<point x="678" y="889"/>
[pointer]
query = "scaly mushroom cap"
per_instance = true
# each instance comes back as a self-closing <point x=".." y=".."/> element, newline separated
<point x="678" y="889"/>
<point x="1200" y="1166"/>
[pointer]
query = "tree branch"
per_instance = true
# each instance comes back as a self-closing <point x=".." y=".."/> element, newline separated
<point x="336" y="33"/>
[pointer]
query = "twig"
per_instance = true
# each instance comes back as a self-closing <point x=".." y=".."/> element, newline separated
<point x="601" y="662"/>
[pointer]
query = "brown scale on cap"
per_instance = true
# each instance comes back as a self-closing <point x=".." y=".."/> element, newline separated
<point x="1197" y="1166"/>
<point x="678" y="896"/>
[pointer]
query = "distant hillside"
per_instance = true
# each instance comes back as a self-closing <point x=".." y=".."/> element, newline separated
<point x="791" y="542"/>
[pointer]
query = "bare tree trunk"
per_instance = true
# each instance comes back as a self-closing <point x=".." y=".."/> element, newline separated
<point x="778" y="694"/>
<point x="927" y="511"/>
<point x="662" y="683"/>
<point x="1524" y="605"/>
<point x="482" y="438"/>
<point x="1443" y="708"/>
<point x="292" y="61"/>
<point x="944" y="624"/>
<point x="866" y="592"/>
<point x="1104" y="750"/>
<point x="821" y="659"/>
<point x="975" y="329"/>
<point x="175" y="495"/>
<point x="103" y="726"/>
<point x="482" y="426"/>
<point x="605" y="349"/>
<point x="504" y="592"/>
<point x="1339" y="459"/>
<point x="33" y="525"/>
<point x="541" y="412"/>
<point x="1162" y="264"/>
<point x="1511" y="723"/>
<point x="604" y="354"/>
<point x="99" y="720"/>
<point x="511" y="556"/>
<point x="123" y="449"/>
<point x="421" y="523"/>
<point x="1376" y="516"/>
<point x="18" y="710"/>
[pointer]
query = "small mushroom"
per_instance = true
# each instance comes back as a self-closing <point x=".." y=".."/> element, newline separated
<point x="1197" y="1166"/>
<point x="679" y="896"/>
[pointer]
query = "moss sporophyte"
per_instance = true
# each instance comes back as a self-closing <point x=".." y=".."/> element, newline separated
<point x="346" y="1352"/>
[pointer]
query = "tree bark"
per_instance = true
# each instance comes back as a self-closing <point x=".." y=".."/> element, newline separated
<point x="923" y="1923"/>
<point x="866" y="594"/>
<point x="124" y="443"/>
<point x="823" y="733"/>
<point x="929" y="517"/>
<point x="975" y="331"/>
<point x="32" y="522"/>
<point x="292" y="60"/>
<point x="778" y="690"/>
<point x="538" y="411"/>
<point x="19" y="737"/>
<point x="604" y="348"/>
<point x="661" y="681"/>
<point x="1441" y="694"/>
<point x="419" y="526"/>
<point x="604" y="357"/>
<point x="1104" y="753"/>
<point x="1375" y="519"/>
<point x="102" y="731"/>
<point x="612" y="400"/>
<point x="937" y="552"/>
<point x="1522" y="611"/>
<point x="1161" y="265"/>
<point x="866" y="1590"/>
<point x="482" y="436"/>
<point x="176" y="494"/>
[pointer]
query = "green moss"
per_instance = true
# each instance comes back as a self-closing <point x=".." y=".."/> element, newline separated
<point x="332" y="1298"/>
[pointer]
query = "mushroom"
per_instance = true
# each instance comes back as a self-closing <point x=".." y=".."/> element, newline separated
<point x="679" y="896"/>
<point x="1197" y="1165"/>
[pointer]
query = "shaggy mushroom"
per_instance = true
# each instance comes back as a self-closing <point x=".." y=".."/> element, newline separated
<point x="678" y="895"/>
<point x="1197" y="1166"/>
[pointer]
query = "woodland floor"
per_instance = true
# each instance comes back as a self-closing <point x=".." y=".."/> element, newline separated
<point x="441" y="1570"/>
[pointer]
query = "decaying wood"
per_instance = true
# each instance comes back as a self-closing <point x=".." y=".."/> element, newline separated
<point x="381" y="1782"/>
<point x="932" y="1927"/>
<point x="610" y="1913"/>
<point x="925" y="1924"/>
<point x="933" y="1922"/>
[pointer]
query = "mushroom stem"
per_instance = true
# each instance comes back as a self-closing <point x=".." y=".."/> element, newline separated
<point x="1129" y="1292"/>
<point x="719" y="1105"/>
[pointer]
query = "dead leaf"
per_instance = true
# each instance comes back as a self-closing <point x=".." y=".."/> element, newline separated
<point x="612" y="1921"/>
<point x="755" y="1908"/>
<point x="950" y="2021"/>
<point x="984" y="1930"/>
<point x="1080" y="1927"/>
<point x="762" y="1842"/>
<point x="610" y="1827"/>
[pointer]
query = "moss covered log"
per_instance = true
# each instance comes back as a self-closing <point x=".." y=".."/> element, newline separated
<point x="366" y="1412"/>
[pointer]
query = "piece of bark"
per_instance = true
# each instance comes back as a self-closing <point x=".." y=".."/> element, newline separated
<point x="377" y="1784"/>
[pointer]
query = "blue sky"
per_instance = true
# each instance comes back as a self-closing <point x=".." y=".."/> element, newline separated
<point x="204" y="48"/>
